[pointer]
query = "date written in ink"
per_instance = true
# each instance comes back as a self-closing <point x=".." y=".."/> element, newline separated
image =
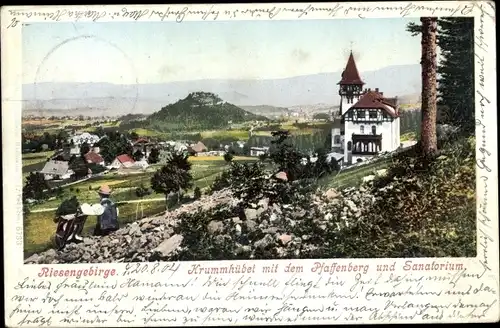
<point x="151" y="268"/>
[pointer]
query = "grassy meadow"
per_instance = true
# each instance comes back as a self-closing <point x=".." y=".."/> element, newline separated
<point x="39" y="225"/>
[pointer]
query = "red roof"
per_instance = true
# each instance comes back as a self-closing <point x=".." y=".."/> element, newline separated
<point x="93" y="157"/>
<point x="141" y="140"/>
<point x="350" y="75"/>
<point x="125" y="159"/>
<point x="375" y="100"/>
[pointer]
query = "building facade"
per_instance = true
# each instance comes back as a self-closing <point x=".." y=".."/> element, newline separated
<point x="367" y="123"/>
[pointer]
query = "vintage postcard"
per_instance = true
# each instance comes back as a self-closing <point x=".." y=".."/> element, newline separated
<point x="250" y="164"/>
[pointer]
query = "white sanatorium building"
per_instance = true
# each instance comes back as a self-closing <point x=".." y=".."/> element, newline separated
<point x="367" y="123"/>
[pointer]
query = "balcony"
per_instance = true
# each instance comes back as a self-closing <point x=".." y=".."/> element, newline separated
<point x="368" y="137"/>
<point x="366" y="144"/>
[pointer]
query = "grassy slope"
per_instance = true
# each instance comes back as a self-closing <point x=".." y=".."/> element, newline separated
<point x="39" y="227"/>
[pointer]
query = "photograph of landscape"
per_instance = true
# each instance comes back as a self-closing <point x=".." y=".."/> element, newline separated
<point x="336" y="138"/>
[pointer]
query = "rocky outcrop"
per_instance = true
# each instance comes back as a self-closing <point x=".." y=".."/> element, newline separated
<point x="276" y="228"/>
<point x="143" y="240"/>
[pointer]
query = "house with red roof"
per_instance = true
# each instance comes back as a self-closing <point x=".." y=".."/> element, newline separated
<point x="368" y="123"/>
<point x="122" y="161"/>
<point x="94" y="158"/>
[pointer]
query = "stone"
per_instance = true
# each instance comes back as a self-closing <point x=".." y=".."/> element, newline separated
<point x="238" y="229"/>
<point x="215" y="226"/>
<point x="250" y="225"/>
<point x="297" y="214"/>
<point x="146" y="226"/>
<point x="133" y="228"/>
<point x="251" y="213"/>
<point x="50" y="254"/>
<point x="243" y="249"/>
<point x="382" y="172"/>
<point x="236" y="220"/>
<point x="351" y="205"/>
<point x="168" y="246"/>
<point x="281" y="251"/>
<point x="270" y="230"/>
<point x="276" y="209"/>
<point x="281" y="176"/>
<point x="285" y="239"/>
<point x="328" y="216"/>
<point x="264" y="243"/>
<point x="331" y="194"/>
<point x="264" y="204"/>
<point x="273" y="218"/>
<point x="33" y="259"/>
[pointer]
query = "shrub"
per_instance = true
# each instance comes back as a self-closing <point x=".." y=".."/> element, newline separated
<point x="228" y="157"/>
<point x="197" y="193"/>
<point x="425" y="207"/>
<point x="68" y="206"/>
<point x="142" y="191"/>
<point x="198" y="244"/>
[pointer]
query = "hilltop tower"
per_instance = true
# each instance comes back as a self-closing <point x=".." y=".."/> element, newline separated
<point x="350" y="85"/>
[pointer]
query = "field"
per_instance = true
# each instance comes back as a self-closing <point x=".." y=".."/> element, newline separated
<point x="35" y="158"/>
<point x="352" y="177"/>
<point x="222" y="134"/>
<point x="39" y="227"/>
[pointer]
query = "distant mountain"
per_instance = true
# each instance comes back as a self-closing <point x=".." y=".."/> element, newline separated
<point x="111" y="99"/>
<point x="266" y="110"/>
<point x="199" y="111"/>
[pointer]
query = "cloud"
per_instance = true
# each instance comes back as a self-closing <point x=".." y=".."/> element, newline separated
<point x="300" y="55"/>
<point x="168" y="70"/>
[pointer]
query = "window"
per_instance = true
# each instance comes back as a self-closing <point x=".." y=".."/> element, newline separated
<point x="362" y="129"/>
<point x="349" y="114"/>
<point x="374" y="129"/>
<point x="349" y="146"/>
<point x="336" y="140"/>
<point x="361" y="114"/>
<point x="373" y="114"/>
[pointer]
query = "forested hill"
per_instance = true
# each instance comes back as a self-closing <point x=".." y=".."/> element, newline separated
<point x="200" y="110"/>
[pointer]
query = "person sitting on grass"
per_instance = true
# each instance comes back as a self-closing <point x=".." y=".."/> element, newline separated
<point x="107" y="214"/>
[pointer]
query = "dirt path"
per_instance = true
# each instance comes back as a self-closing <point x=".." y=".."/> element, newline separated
<point x="122" y="202"/>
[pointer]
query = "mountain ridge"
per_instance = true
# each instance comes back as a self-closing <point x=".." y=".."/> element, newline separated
<point x="116" y="99"/>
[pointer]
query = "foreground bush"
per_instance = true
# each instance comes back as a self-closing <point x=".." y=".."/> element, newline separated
<point x="422" y="207"/>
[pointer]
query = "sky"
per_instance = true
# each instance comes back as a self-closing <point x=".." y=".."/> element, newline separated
<point x="159" y="52"/>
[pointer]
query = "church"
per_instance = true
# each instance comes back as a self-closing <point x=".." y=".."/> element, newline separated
<point x="367" y="123"/>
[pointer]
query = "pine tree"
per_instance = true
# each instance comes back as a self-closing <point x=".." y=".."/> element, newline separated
<point x="456" y="82"/>
<point x="429" y="94"/>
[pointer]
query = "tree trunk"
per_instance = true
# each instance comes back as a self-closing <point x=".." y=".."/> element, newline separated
<point x="429" y="85"/>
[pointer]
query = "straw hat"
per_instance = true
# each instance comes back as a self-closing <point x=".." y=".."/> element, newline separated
<point x="104" y="190"/>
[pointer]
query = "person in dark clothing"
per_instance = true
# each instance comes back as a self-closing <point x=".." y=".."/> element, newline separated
<point x="107" y="216"/>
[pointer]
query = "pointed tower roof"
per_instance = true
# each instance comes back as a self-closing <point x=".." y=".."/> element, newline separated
<point x="350" y="75"/>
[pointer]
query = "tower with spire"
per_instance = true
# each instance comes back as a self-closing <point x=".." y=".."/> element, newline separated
<point x="350" y="85"/>
<point x="368" y="123"/>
